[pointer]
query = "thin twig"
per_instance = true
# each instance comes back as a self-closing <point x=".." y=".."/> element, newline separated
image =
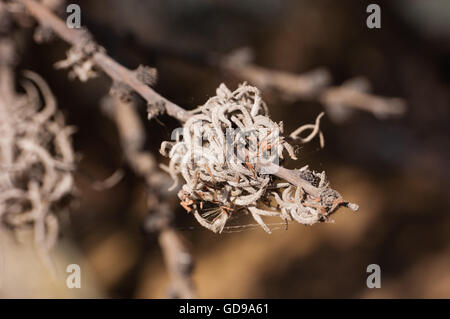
<point x="179" y="262"/>
<point x="117" y="72"/>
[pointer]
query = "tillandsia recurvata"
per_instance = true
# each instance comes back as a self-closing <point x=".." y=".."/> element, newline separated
<point x="36" y="160"/>
<point x="230" y="153"/>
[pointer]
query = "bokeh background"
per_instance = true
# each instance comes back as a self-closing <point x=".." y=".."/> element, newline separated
<point x="397" y="169"/>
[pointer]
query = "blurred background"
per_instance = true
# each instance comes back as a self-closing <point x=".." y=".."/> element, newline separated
<point x="396" y="169"/>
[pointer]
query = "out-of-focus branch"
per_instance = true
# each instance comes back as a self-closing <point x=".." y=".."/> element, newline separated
<point x="178" y="259"/>
<point x="133" y="137"/>
<point x="82" y="41"/>
<point x="179" y="262"/>
<point x="290" y="85"/>
<point x="36" y="157"/>
<point x="349" y="96"/>
<point x="315" y="85"/>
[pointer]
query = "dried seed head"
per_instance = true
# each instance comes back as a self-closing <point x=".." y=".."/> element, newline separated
<point x="221" y="153"/>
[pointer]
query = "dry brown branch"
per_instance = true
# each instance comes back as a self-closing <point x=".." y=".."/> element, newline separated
<point x="290" y="85"/>
<point x="178" y="259"/>
<point x="314" y="85"/>
<point x="84" y="49"/>
<point x="352" y="94"/>
<point x="179" y="263"/>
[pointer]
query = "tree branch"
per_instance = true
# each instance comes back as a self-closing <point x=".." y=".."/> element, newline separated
<point x="81" y="39"/>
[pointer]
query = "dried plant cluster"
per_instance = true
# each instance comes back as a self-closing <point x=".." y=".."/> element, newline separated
<point x="228" y="156"/>
<point x="36" y="161"/>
